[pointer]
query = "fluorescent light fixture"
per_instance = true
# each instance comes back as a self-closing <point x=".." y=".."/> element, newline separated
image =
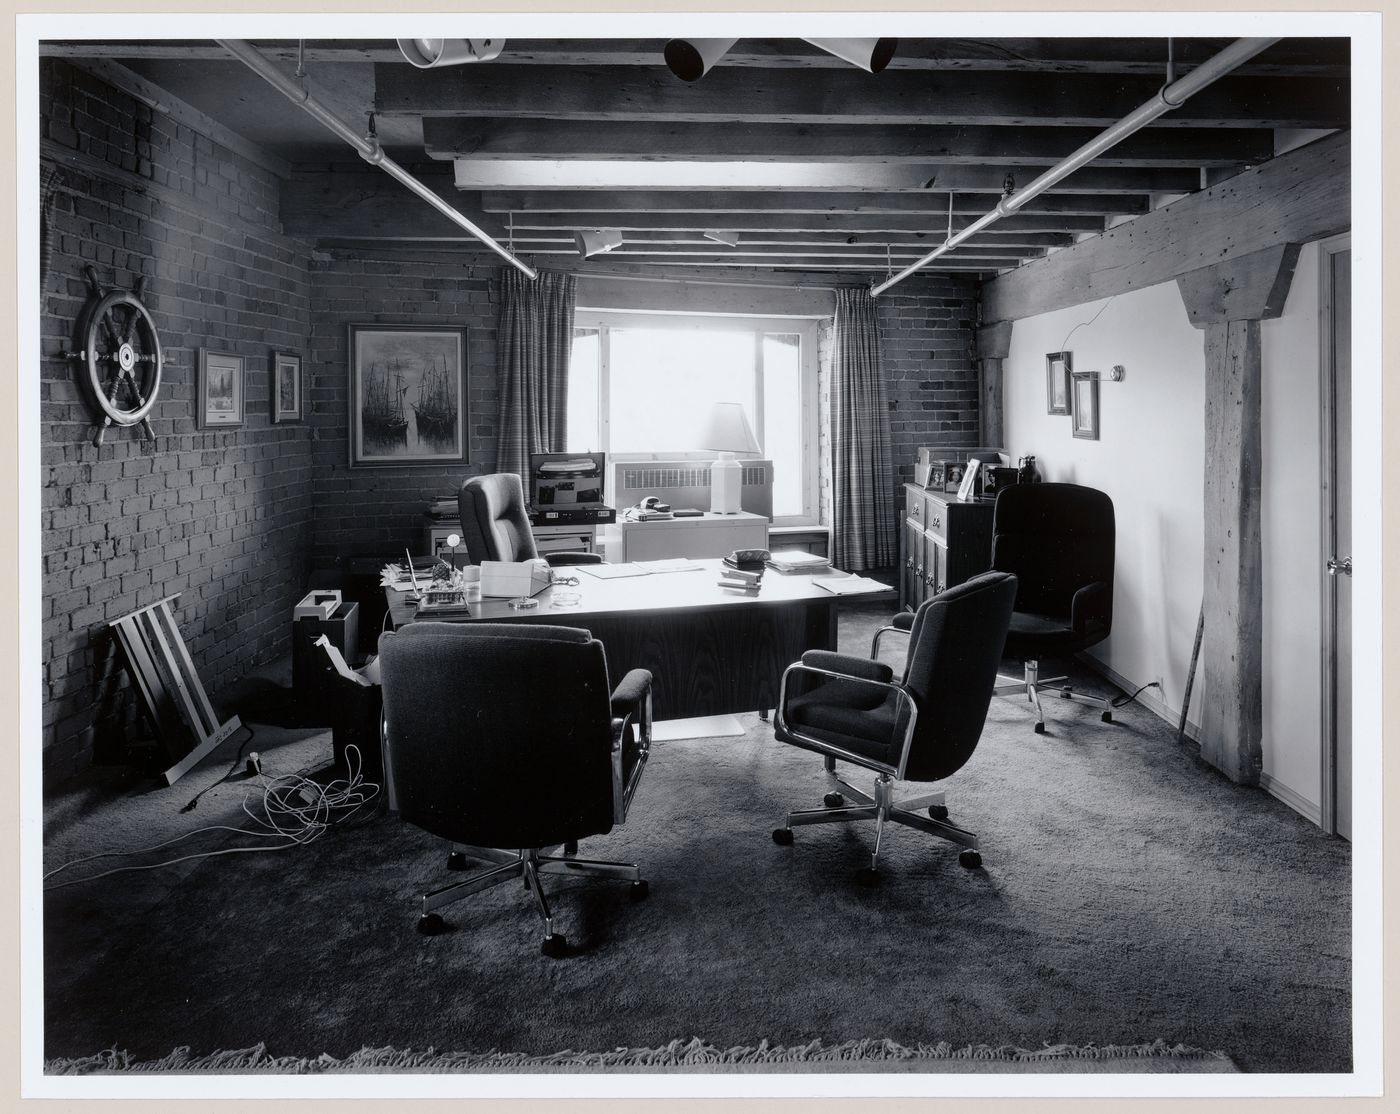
<point x="597" y="241"/>
<point x="428" y="54"/>
<point x="871" y="55"/>
<point x="473" y="173"/>
<point x="691" y="59"/>
<point x="728" y="239"/>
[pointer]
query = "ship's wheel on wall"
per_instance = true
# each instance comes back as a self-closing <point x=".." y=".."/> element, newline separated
<point x="120" y="357"/>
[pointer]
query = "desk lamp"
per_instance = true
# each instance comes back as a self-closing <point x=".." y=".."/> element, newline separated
<point x="726" y="433"/>
<point x="453" y="541"/>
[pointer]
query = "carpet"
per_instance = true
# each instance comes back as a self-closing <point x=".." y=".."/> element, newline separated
<point x="1130" y="899"/>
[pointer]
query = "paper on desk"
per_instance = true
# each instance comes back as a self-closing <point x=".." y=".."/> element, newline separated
<point x="611" y="572"/>
<point x="849" y="585"/>
<point x="672" y="564"/>
<point x="343" y="667"/>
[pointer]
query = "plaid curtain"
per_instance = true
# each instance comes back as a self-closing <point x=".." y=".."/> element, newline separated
<point x="48" y="183"/>
<point x="862" y="473"/>
<point x="533" y="344"/>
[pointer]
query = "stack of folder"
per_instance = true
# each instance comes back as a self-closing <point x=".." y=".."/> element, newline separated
<point x="741" y="576"/>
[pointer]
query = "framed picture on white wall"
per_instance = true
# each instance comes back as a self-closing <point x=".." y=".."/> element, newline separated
<point x="1057" y="372"/>
<point x="1084" y="400"/>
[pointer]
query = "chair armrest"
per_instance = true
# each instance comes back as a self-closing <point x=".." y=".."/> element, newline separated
<point x="1090" y="607"/>
<point x="848" y="665"/>
<point x="555" y="560"/>
<point x="903" y="621"/>
<point x="902" y="696"/>
<point x="631" y="707"/>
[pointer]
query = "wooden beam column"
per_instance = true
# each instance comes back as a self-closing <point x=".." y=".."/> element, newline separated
<point x="1228" y="301"/>
<point x="993" y="344"/>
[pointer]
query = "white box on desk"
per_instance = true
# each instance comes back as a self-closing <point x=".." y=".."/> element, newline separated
<point x="514" y="578"/>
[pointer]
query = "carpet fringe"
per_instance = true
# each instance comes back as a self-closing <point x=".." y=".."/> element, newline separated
<point x="678" y="1053"/>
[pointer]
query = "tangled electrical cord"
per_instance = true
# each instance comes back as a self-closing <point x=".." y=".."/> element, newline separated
<point x="297" y="810"/>
<point x="1124" y="701"/>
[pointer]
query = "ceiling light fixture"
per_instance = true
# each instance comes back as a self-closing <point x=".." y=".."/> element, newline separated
<point x="597" y="241"/>
<point x="428" y="54"/>
<point x="728" y="239"/>
<point x="691" y="59"/>
<point x="871" y="55"/>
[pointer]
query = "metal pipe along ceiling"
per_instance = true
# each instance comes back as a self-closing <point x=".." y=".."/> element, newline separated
<point x="368" y="148"/>
<point x="1169" y="97"/>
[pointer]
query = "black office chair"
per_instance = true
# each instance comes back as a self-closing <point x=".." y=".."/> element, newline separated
<point x="922" y="728"/>
<point x="496" y="526"/>
<point x="1058" y="540"/>
<point x="508" y="736"/>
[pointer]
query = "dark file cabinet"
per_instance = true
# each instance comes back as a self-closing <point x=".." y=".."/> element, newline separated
<point x="942" y="542"/>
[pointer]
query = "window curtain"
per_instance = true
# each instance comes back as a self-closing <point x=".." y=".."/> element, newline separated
<point x="862" y="473"/>
<point x="48" y="187"/>
<point x="533" y="343"/>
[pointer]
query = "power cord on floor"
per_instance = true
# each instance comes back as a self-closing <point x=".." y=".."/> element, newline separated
<point x="1126" y="700"/>
<point x="193" y="802"/>
<point x="296" y="810"/>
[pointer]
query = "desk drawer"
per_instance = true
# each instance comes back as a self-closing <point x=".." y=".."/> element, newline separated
<point x="936" y="517"/>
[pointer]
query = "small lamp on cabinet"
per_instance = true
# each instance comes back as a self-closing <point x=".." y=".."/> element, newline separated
<point x="727" y="432"/>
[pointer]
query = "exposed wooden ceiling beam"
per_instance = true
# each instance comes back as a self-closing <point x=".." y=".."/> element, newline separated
<point x="1294" y="57"/>
<point x="930" y="203"/>
<point x="848" y="96"/>
<point x="794" y="222"/>
<point x="1152" y="148"/>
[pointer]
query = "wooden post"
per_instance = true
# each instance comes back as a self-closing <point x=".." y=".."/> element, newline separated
<point x="993" y="344"/>
<point x="1228" y="301"/>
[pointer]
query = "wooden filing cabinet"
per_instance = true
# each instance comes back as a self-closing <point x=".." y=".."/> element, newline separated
<point x="942" y="542"/>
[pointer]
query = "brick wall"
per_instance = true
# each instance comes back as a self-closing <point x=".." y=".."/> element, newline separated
<point x="378" y="510"/>
<point x="927" y="332"/>
<point x="222" y="518"/>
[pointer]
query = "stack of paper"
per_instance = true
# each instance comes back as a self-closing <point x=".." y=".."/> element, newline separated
<point x="796" y="560"/>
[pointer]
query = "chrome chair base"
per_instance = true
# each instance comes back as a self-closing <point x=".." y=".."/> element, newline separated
<point x="1031" y="684"/>
<point x="884" y="809"/>
<point x="528" y="864"/>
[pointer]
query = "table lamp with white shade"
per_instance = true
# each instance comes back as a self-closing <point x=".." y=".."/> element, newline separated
<point x="727" y="432"/>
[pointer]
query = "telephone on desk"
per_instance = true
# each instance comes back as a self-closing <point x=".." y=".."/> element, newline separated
<point x="650" y="509"/>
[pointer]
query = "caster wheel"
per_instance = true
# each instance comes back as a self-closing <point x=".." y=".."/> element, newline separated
<point x="456" y="861"/>
<point x="970" y="859"/>
<point x="868" y="878"/>
<point x="571" y="847"/>
<point x="1107" y="717"/>
<point x="639" y="890"/>
<point x="833" y="800"/>
<point x="430" y="924"/>
<point x="1040" y="729"/>
<point x="782" y="837"/>
<point x="938" y="812"/>
<point x="553" y="946"/>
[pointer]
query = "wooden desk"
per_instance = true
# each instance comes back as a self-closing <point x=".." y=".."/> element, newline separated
<point x="706" y="535"/>
<point x="711" y="651"/>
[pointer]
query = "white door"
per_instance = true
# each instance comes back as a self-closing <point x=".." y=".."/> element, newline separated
<point x="1336" y="303"/>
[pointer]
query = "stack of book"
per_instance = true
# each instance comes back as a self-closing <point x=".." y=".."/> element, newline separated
<point x="797" y="560"/>
<point x="741" y="576"/>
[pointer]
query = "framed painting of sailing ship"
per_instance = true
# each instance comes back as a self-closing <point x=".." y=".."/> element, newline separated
<point x="220" y="389"/>
<point x="286" y="387"/>
<point x="408" y="394"/>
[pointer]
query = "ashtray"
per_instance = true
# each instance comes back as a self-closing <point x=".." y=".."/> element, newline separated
<point x="564" y="599"/>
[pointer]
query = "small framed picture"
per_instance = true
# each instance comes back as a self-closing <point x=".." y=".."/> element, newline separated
<point x="286" y="387"/>
<point x="220" y="389"/>
<point x="1084" y="397"/>
<point x="1057" y="373"/>
<point x="967" y="490"/>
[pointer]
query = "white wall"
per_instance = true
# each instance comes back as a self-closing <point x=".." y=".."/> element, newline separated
<point x="1150" y="459"/>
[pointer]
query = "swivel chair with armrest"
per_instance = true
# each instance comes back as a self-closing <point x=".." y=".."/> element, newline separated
<point x="496" y="526"/>
<point x="506" y="739"/>
<point x="1058" y="540"/>
<point x="921" y="728"/>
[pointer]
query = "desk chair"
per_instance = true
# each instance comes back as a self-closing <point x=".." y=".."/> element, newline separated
<point x="508" y="736"/>
<point x="922" y="728"/>
<point x="496" y="527"/>
<point x="1058" y="540"/>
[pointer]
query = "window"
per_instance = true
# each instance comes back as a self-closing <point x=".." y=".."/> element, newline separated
<point x="641" y="386"/>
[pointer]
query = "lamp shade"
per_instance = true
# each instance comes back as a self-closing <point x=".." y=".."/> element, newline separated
<point x="728" y="431"/>
<point x="871" y="55"/>
<point x="691" y="59"/>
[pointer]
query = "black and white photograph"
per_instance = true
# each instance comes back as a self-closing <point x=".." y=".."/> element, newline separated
<point x="647" y="631"/>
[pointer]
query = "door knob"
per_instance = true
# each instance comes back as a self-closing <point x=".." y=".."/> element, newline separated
<point x="1335" y="566"/>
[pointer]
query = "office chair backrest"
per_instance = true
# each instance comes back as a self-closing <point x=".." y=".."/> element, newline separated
<point x="955" y="647"/>
<point x="495" y="525"/>
<point x="499" y="734"/>
<point x="1056" y="538"/>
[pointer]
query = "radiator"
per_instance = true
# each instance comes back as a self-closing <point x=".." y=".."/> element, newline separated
<point x="686" y="483"/>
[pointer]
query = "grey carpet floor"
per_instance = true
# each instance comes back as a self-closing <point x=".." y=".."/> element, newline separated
<point x="1129" y="894"/>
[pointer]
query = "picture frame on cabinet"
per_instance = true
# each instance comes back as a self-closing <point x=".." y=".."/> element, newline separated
<point x="1057" y="382"/>
<point x="1084" y="402"/>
